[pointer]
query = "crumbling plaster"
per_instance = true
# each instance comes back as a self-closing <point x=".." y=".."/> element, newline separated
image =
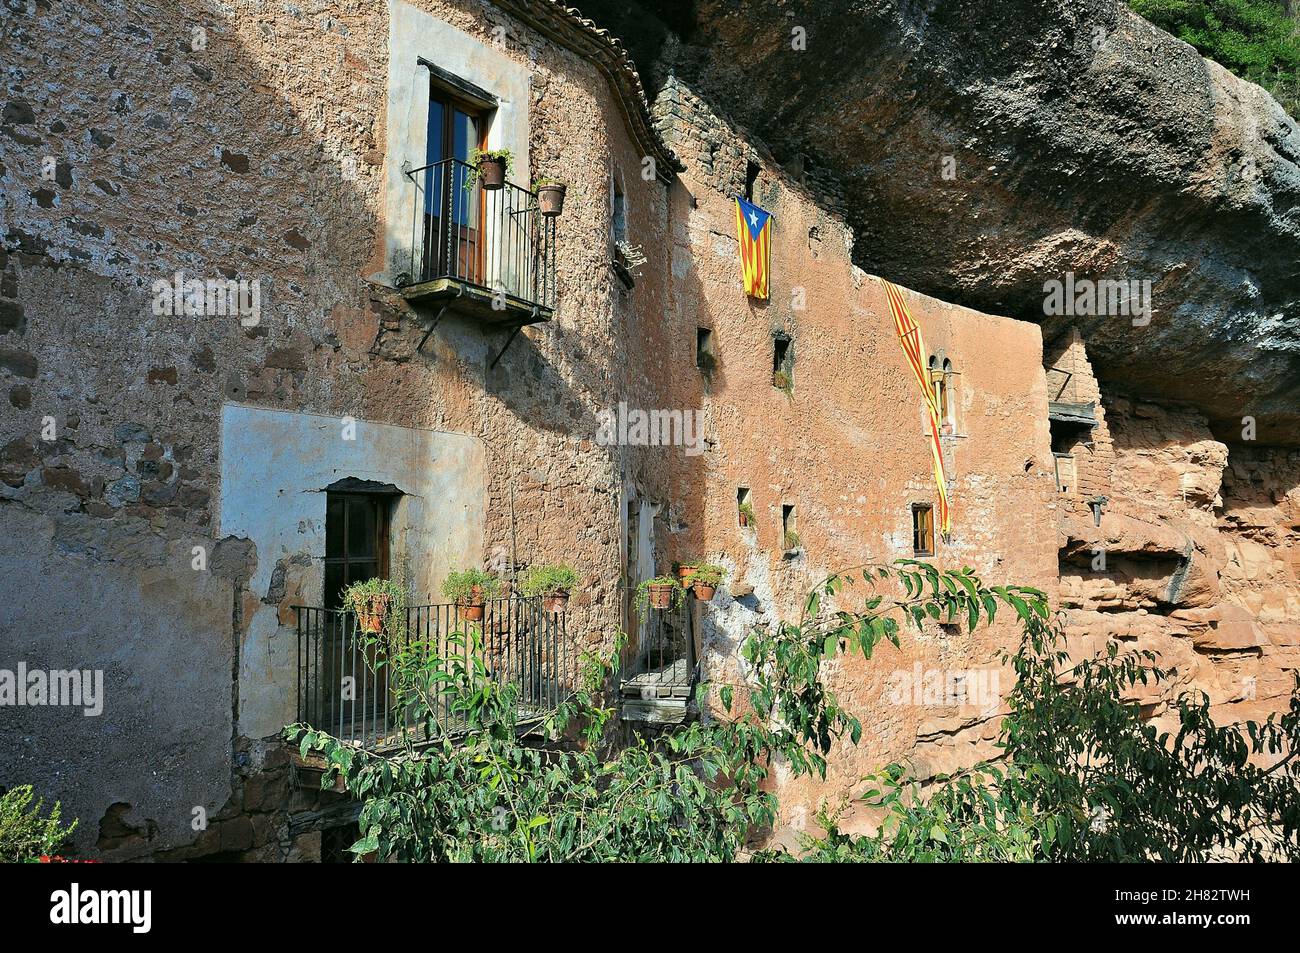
<point x="275" y="467"/>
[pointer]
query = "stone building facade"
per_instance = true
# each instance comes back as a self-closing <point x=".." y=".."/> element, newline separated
<point x="166" y="475"/>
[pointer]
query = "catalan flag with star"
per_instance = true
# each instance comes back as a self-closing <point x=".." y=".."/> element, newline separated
<point x="754" y="229"/>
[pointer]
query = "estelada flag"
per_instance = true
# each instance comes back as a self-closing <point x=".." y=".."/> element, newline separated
<point x="909" y="336"/>
<point x="754" y="230"/>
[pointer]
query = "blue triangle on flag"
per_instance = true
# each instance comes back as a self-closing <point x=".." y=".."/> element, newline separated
<point x="755" y="217"/>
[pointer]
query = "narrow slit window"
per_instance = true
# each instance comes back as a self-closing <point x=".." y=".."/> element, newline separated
<point x="789" y="529"/>
<point x="922" y="529"/>
<point x="618" y="212"/>
<point x="782" y="378"/>
<point x="751" y="178"/>
<point x="704" y="358"/>
<point x="744" y="507"/>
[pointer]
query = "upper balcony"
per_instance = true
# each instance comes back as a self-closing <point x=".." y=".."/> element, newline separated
<point x="481" y="248"/>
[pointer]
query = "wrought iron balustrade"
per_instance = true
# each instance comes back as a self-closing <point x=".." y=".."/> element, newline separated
<point x="495" y="240"/>
<point x="660" y="669"/>
<point x="342" y="689"/>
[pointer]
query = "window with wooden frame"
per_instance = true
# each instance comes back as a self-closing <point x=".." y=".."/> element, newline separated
<point x="922" y="529"/>
<point x="356" y="541"/>
<point x="454" y="223"/>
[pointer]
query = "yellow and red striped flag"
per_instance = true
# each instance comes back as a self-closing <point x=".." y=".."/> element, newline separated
<point x="909" y="335"/>
<point x="754" y="229"/>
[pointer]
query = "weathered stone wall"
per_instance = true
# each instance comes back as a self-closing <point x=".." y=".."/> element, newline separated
<point x="1194" y="558"/>
<point x="253" y="150"/>
<point x="1070" y="379"/>
<point x="253" y="143"/>
<point x="847" y="447"/>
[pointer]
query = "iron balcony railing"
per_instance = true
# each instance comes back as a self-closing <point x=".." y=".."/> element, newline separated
<point x="342" y="690"/>
<point x="662" y="663"/>
<point x="494" y="239"/>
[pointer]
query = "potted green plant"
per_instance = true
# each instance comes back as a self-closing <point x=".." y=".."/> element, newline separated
<point x="491" y="166"/>
<point x="552" y="583"/>
<point x="661" y="592"/>
<point x="550" y="196"/>
<point x="706" y="580"/>
<point x="746" y="511"/>
<point x="375" y="602"/>
<point x="470" y="589"/>
<point x="685" y="570"/>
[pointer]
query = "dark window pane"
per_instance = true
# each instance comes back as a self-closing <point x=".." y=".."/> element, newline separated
<point x="434" y="145"/>
<point x="434" y="152"/>
<point x="333" y="585"/>
<point x="333" y="526"/>
<point x="362" y="515"/>
<point x="361" y="570"/>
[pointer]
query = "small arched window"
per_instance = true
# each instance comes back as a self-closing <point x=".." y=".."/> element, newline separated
<point x="948" y="407"/>
<point x="943" y="383"/>
<point x="939" y="370"/>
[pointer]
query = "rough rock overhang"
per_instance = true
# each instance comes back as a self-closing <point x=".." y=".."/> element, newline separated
<point x="1085" y="140"/>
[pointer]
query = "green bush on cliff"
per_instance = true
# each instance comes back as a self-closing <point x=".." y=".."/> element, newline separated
<point x="24" y="833"/>
<point x="1082" y="775"/>
<point x="1256" y="39"/>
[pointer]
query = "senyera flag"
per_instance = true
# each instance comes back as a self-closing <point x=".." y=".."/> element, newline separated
<point x="909" y="335"/>
<point x="754" y="230"/>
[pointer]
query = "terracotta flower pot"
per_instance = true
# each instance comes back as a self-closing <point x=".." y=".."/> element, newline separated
<point x="371" y="613"/>
<point x="472" y="610"/>
<point x="704" y="591"/>
<point x="744" y="520"/>
<point x="555" y="602"/>
<point x="492" y="173"/>
<point x="551" y="198"/>
<point x="660" y="596"/>
<point x="684" y="573"/>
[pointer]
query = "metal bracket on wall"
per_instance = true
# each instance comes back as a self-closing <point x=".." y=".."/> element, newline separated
<point x="434" y="323"/>
<point x="513" y="334"/>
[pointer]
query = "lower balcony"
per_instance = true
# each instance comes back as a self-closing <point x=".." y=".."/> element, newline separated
<point x="341" y="690"/>
<point x="660" y="674"/>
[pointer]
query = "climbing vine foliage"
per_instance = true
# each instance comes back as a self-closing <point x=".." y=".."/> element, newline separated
<point x="1081" y="776"/>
